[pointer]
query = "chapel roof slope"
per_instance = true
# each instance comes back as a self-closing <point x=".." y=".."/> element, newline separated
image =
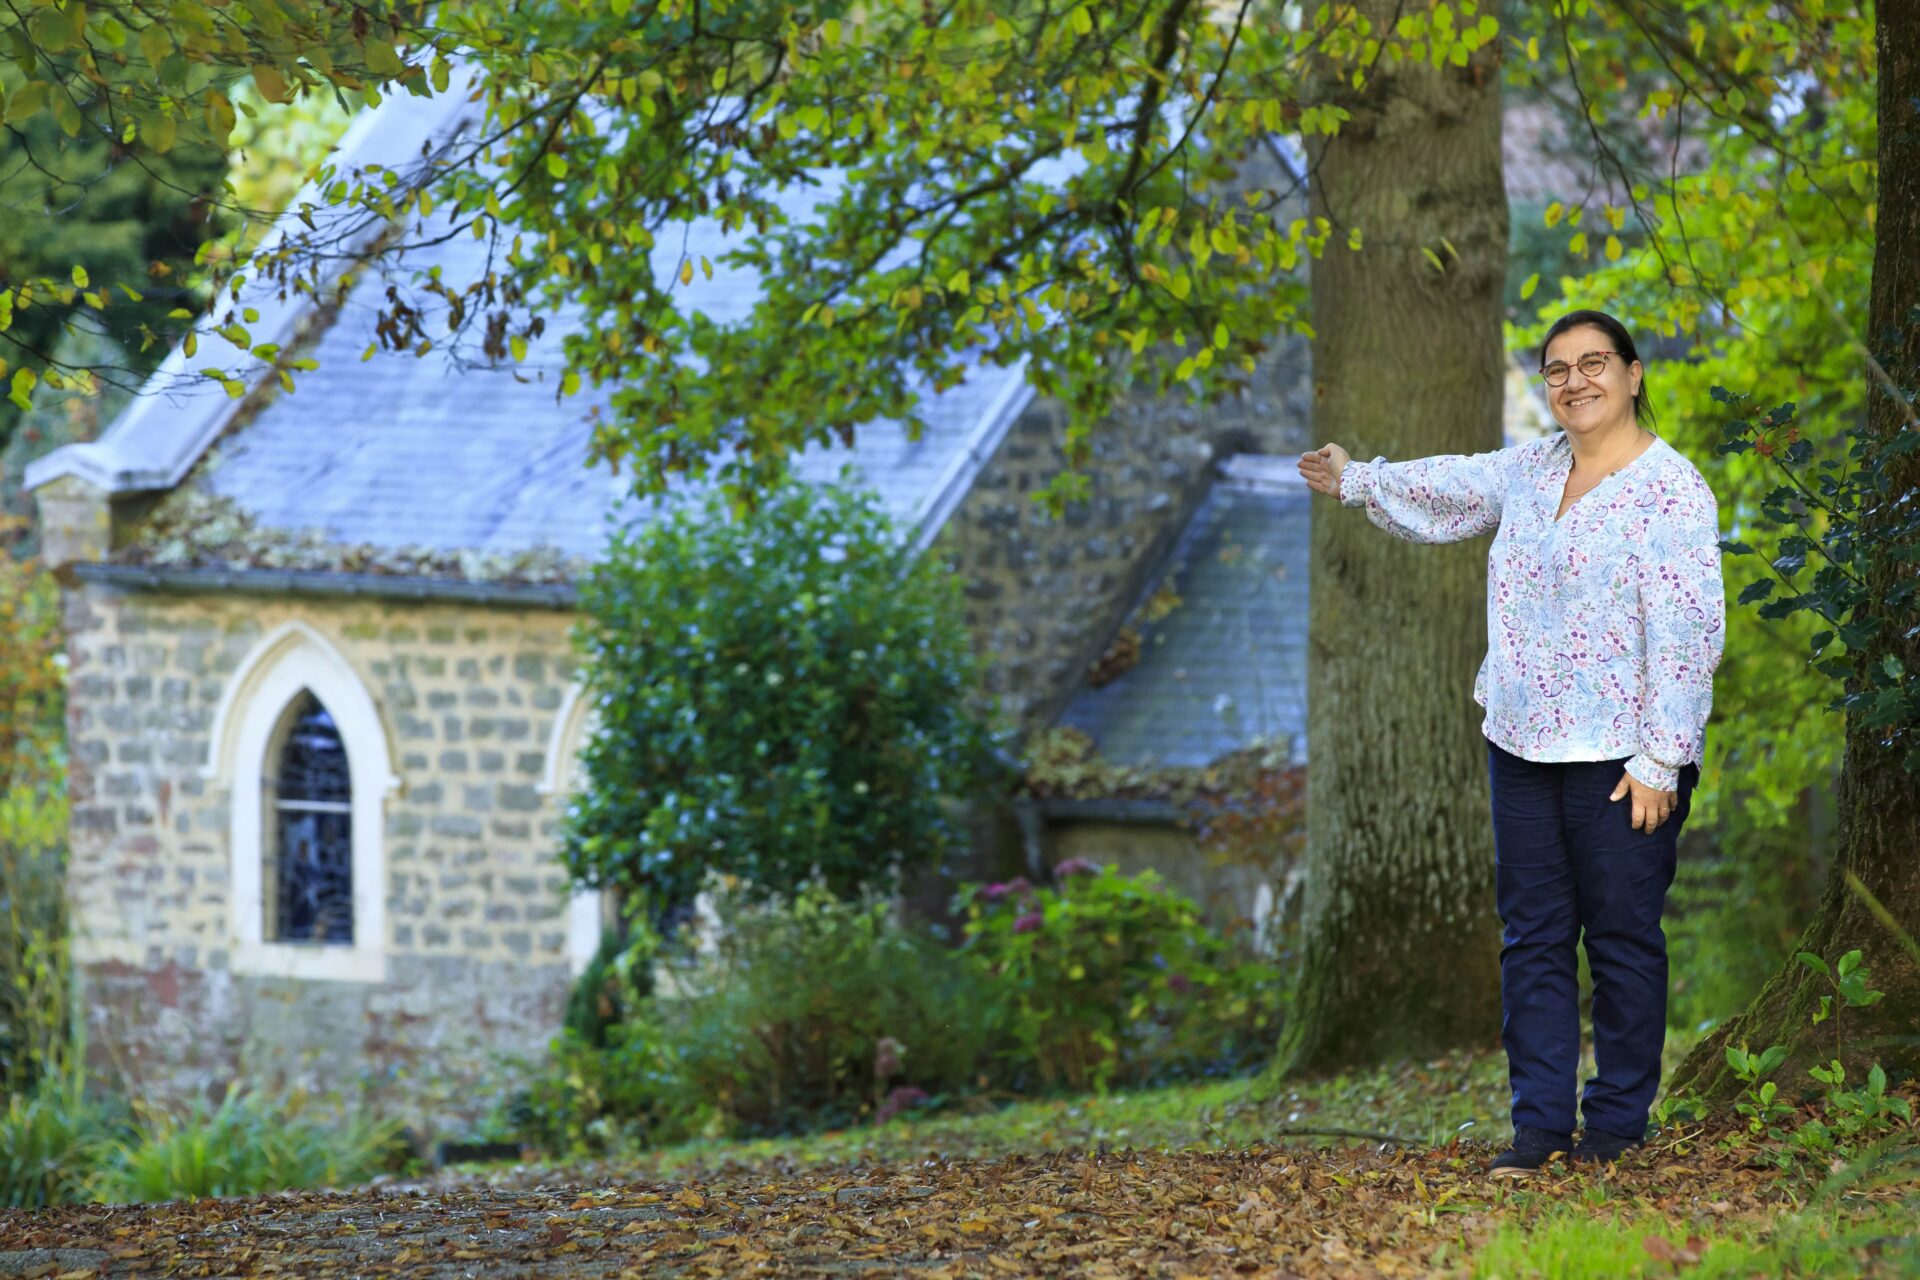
<point x="398" y="451"/>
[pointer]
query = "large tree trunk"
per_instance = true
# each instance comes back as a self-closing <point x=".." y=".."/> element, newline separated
<point x="1400" y="951"/>
<point x="1879" y="801"/>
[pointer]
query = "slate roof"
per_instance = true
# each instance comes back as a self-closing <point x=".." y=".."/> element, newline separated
<point x="1229" y="663"/>
<point x="432" y="452"/>
<point x="402" y="451"/>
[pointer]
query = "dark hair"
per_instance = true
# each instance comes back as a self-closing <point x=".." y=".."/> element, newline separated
<point x="1622" y="342"/>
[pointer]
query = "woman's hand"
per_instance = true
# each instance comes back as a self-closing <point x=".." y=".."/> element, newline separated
<point x="1322" y="468"/>
<point x="1650" y="807"/>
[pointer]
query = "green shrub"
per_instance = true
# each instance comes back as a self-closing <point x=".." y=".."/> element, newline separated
<point x="50" y="1136"/>
<point x="781" y="695"/>
<point x="600" y="1098"/>
<point x="247" y="1145"/>
<point x="1112" y="978"/>
<point x="812" y="1011"/>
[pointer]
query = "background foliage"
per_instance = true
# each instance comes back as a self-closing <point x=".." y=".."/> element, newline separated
<point x="35" y="988"/>
<point x="806" y="1011"/>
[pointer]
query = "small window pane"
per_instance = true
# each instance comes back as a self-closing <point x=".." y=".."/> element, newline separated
<point x="311" y="804"/>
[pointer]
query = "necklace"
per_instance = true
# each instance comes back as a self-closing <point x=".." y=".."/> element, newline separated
<point x="1568" y="499"/>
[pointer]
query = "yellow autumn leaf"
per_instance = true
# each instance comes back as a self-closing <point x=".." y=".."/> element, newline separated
<point x="272" y="85"/>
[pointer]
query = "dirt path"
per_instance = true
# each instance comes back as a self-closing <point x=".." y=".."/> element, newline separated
<point x="1266" y="1212"/>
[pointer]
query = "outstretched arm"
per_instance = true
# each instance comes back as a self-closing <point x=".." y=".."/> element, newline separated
<point x="1446" y="498"/>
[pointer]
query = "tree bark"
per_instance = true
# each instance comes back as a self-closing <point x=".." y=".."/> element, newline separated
<point x="1400" y="942"/>
<point x="1879" y="801"/>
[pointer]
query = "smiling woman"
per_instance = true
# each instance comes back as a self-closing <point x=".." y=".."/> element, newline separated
<point x="1605" y="621"/>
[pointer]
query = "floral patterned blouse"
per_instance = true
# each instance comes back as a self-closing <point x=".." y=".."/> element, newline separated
<point x="1604" y="627"/>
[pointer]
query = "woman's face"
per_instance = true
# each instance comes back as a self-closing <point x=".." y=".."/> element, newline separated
<point x="1588" y="403"/>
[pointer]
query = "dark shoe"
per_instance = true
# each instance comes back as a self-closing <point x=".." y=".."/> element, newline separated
<point x="1600" y="1147"/>
<point x="1532" y="1148"/>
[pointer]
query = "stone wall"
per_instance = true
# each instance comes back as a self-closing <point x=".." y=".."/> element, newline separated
<point x="476" y="918"/>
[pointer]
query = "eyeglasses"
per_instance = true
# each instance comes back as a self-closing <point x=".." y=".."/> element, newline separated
<point x="1592" y="365"/>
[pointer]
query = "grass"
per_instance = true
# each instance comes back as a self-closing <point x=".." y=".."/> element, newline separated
<point x="1577" y="1242"/>
<point x="1427" y="1103"/>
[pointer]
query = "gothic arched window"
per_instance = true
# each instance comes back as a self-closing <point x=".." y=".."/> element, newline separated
<point x="308" y="804"/>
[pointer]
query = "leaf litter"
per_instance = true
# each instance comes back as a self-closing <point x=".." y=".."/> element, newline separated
<point x="1265" y="1211"/>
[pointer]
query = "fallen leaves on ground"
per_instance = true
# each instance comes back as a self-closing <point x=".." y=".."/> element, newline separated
<point x="1265" y="1211"/>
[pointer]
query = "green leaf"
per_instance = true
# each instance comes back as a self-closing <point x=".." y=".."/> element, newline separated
<point x="1528" y="285"/>
<point x="52" y="29"/>
<point x="26" y="102"/>
<point x="1813" y="962"/>
<point x="1082" y="20"/>
<point x="159" y="133"/>
<point x="67" y="114"/>
<point x="382" y="59"/>
<point x="556" y="164"/>
<point x="155" y="44"/>
<point x="22" y="390"/>
<point x="79" y="276"/>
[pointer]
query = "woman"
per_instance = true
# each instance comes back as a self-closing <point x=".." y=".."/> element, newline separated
<point x="1605" y="621"/>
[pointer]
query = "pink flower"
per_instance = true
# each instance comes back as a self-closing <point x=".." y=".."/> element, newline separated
<point x="1029" y="923"/>
<point x="1075" y="867"/>
<point x="1180" y="982"/>
<point x="992" y="892"/>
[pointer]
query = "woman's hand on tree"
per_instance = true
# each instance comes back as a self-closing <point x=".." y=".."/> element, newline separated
<point x="1651" y="806"/>
<point x="1322" y="468"/>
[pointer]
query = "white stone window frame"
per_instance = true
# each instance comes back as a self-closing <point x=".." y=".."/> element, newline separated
<point x="586" y="908"/>
<point x="292" y="659"/>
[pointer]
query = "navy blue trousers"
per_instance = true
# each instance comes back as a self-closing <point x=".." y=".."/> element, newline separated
<point x="1568" y="861"/>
